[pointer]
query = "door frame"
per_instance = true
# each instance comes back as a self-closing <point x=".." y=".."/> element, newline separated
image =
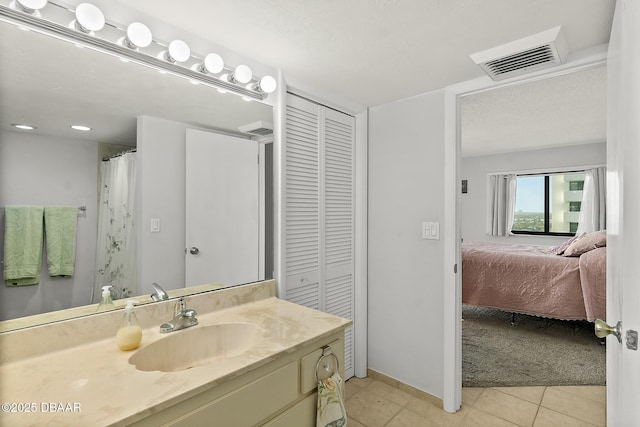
<point x="452" y="342"/>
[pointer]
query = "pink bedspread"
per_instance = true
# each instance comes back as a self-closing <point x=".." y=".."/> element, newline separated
<point x="522" y="279"/>
<point x="593" y="278"/>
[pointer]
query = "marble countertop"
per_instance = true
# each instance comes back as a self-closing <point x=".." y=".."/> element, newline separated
<point x="94" y="384"/>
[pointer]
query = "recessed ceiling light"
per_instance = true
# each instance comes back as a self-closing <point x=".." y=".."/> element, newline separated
<point x="23" y="126"/>
<point x="80" y="127"/>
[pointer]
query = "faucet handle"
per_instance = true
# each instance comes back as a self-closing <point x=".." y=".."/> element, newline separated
<point x="189" y="313"/>
<point x="180" y="306"/>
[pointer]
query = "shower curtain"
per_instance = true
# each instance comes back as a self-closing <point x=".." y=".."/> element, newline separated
<point x="116" y="242"/>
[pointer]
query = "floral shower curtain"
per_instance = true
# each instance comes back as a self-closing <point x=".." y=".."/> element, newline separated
<point x="116" y="243"/>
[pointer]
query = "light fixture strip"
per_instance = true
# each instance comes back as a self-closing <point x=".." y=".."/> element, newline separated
<point x="12" y="16"/>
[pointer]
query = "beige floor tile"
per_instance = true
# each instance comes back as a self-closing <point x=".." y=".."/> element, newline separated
<point x="597" y="393"/>
<point x="393" y="394"/>
<point x="530" y="394"/>
<point x="371" y="409"/>
<point x="575" y="406"/>
<point x="470" y="395"/>
<point x="351" y="389"/>
<point x="353" y="423"/>
<point x="407" y="418"/>
<point x="507" y="407"/>
<point x="435" y="414"/>
<point x="548" y="418"/>
<point x="477" y="418"/>
<point x="421" y="407"/>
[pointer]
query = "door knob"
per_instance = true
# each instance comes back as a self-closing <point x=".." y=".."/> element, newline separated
<point x="602" y="329"/>
<point x="194" y="250"/>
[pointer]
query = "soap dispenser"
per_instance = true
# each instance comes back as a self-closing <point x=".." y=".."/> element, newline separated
<point x="106" y="303"/>
<point x="129" y="335"/>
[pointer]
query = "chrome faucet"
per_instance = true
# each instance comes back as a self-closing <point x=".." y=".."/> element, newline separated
<point x="184" y="318"/>
<point x="159" y="293"/>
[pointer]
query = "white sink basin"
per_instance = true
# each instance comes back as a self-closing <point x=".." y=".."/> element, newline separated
<point x="197" y="346"/>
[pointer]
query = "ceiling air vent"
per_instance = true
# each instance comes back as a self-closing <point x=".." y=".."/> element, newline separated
<point x="258" y="128"/>
<point x="533" y="53"/>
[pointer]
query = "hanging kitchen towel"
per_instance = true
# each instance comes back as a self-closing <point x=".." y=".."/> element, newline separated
<point x="22" y="245"/>
<point x="60" y="234"/>
<point x="331" y="411"/>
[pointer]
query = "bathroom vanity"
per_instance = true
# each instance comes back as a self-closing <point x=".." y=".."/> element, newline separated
<point x="72" y="373"/>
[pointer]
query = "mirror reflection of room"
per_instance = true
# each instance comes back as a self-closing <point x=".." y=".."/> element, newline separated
<point x="123" y="174"/>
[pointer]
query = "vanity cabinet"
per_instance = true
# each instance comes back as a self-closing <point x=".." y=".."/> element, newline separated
<point x="280" y="393"/>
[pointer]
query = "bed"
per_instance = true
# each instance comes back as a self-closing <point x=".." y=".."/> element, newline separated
<point x="537" y="280"/>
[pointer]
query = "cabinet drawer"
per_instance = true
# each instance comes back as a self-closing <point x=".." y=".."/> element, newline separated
<point x="308" y="365"/>
<point x="249" y="404"/>
<point x="303" y="414"/>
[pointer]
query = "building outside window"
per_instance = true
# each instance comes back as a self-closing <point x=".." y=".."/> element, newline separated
<point x="548" y="203"/>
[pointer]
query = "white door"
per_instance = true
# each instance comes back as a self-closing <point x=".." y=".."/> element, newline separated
<point x="623" y="213"/>
<point x="222" y="209"/>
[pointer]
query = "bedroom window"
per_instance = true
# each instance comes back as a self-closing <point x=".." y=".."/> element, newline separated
<point x="548" y="204"/>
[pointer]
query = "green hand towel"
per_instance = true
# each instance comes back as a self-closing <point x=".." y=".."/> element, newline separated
<point x="22" y="245"/>
<point x="60" y="232"/>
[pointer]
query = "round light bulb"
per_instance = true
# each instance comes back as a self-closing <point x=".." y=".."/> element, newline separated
<point x="179" y="51"/>
<point x="267" y="84"/>
<point x="31" y="6"/>
<point x="242" y="74"/>
<point x="138" y="35"/>
<point x="89" y="18"/>
<point x="213" y="63"/>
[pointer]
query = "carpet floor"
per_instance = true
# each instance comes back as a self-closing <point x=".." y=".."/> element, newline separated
<point x="534" y="352"/>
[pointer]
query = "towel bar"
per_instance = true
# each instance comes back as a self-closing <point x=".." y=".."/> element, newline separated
<point x="326" y="352"/>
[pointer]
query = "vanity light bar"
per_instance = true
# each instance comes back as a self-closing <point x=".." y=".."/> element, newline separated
<point x="63" y="32"/>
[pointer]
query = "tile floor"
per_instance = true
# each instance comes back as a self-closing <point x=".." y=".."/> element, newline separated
<point x="372" y="403"/>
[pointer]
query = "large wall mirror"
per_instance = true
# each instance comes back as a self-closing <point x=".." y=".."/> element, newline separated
<point x="53" y="84"/>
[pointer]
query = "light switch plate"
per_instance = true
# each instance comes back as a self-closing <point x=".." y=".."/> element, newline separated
<point x="431" y="230"/>
<point x="155" y="225"/>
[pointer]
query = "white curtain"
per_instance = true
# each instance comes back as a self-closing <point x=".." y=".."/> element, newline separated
<point x="501" y="204"/>
<point x="116" y="244"/>
<point x="593" y="207"/>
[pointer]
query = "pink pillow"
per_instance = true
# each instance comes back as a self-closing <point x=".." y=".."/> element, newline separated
<point x="559" y="250"/>
<point x="597" y="239"/>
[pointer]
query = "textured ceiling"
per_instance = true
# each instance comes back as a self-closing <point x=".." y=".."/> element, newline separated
<point x="565" y="110"/>
<point x="376" y="51"/>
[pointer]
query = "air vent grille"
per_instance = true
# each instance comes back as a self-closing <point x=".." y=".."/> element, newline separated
<point x="529" y="58"/>
<point x="532" y="53"/>
<point x="260" y="131"/>
<point x="259" y="128"/>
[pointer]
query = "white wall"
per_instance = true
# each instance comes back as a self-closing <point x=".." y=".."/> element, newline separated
<point x="160" y="184"/>
<point x="475" y="170"/>
<point x="40" y="170"/>
<point x="406" y="156"/>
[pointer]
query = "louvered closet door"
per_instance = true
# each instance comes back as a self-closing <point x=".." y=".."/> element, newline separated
<point x="338" y="223"/>
<point x="302" y="203"/>
<point x="319" y="211"/>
